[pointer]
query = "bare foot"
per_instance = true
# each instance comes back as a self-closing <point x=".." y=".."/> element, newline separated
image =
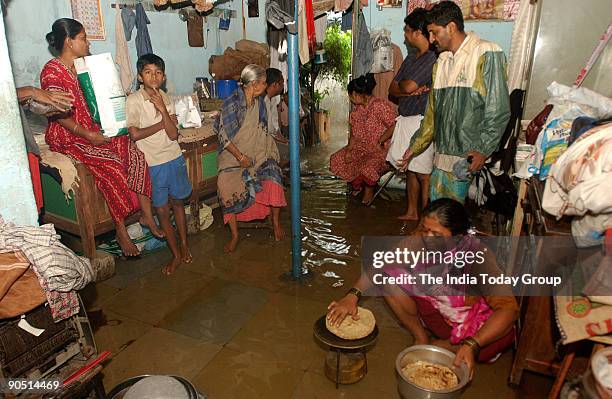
<point x="149" y="222"/>
<point x="128" y="248"/>
<point x="231" y="246"/>
<point x="279" y="233"/>
<point x="408" y="217"/>
<point x="186" y="254"/>
<point x="170" y="268"/>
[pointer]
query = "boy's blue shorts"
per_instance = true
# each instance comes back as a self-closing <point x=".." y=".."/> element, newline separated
<point x="169" y="179"/>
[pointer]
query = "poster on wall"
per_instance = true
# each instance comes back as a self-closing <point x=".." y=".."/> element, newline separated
<point x="89" y="13"/>
<point x="476" y="9"/>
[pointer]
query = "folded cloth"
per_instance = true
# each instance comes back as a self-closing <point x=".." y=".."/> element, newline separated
<point x="20" y="291"/>
<point x="62" y="268"/>
<point x="59" y="270"/>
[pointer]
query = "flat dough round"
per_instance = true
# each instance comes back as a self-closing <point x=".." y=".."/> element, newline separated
<point x="354" y="329"/>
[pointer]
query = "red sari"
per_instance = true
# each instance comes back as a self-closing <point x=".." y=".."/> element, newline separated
<point x="119" y="167"/>
<point x="368" y="161"/>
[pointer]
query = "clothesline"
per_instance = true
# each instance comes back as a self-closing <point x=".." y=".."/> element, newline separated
<point x="149" y="6"/>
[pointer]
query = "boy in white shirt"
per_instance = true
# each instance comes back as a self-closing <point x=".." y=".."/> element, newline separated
<point x="151" y="121"/>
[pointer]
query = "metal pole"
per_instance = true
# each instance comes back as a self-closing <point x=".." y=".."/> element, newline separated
<point x="294" y="150"/>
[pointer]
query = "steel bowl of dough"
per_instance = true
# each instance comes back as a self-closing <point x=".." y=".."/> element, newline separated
<point x="427" y="372"/>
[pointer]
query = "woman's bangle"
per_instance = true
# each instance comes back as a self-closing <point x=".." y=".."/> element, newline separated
<point x="473" y="344"/>
<point x="355" y="291"/>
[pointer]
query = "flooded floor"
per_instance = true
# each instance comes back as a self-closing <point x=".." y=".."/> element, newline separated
<point x="235" y="327"/>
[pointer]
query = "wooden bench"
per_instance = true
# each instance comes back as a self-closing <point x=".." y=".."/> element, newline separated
<point x="86" y="215"/>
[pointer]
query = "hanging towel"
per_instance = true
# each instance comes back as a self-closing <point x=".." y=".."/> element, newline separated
<point x="129" y="22"/>
<point x="303" y="33"/>
<point x="195" y="30"/>
<point x="122" y="56"/>
<point x="143" y="41"/>
<point x="320" y="23"/>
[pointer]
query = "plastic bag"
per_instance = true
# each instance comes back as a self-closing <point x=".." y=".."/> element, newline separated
<point x="186" y="112"/>
<point x="569" y="103"/>
<point x="383" y="51"/>
<point x="103" y="92"/>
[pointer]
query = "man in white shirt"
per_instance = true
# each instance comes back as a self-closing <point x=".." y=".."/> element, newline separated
<point x="276" y="87"/>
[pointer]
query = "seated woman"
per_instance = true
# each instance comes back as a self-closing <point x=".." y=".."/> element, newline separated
<point x="118" y="167"/>
<point x="362" y="161"/>
<point x="474" y="327"/>
<point x="249" y="183"/>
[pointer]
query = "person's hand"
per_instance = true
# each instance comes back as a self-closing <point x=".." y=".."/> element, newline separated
<point x="478" y="160"/>
<point x="158" y="101"/>
<point x="97" y="138"/>
<point x="60" y="100"/>
<point x="403" y="163"/>
<point x="381" y="142"/>
<point x="465" y="354"/>
<point x="279" y="137"/>
<point x="337" y="311"/>
<point x="245" y="161"/>
<point x="419" y="91"/>
<point x="421" y="341"/>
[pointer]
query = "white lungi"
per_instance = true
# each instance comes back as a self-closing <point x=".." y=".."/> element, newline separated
<point x="405" y="128"/>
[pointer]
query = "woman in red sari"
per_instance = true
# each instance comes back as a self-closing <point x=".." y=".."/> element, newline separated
<point x="362" y="161"/>
<point x="118" y="167"/>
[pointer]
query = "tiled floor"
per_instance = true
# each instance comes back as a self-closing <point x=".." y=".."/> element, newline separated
<point x="237" y="329"/>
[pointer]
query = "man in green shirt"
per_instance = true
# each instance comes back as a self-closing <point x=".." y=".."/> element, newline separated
<point x="468" y="107"/>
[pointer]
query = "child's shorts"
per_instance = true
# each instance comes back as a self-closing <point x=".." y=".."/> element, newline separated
<point x="169" y="179"/>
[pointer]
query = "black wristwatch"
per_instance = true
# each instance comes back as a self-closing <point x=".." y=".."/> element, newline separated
<point x="356" y="292"/>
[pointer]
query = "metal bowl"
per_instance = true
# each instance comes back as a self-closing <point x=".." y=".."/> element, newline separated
<point x="119" y="391"/>
<point x="432" y="354"/>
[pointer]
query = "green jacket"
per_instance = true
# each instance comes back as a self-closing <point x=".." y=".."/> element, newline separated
<point x="469" y="106"/>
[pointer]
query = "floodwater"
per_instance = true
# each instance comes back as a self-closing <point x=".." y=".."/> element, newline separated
<point x="238" y="328"/>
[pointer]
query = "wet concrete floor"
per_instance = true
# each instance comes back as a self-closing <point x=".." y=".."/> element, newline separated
<point x="234" y="327"/>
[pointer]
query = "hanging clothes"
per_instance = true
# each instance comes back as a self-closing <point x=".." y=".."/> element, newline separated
<point x="320" y="23"/>
<point x="122" y="55"/>
<point x="129" y="22"/>
<point x="143" y="41"/>
<point x="278" y="12"/>
<point x="521" y="45"/>
<point x="279" y="61"/>
<point x="363" y="54"/>
<point x="310" y="27"/>
<point x="195" y="30"/>
<point x="303" y="49"/>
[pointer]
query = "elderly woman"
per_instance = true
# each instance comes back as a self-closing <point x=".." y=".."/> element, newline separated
<point x="474" y="327"/>
<point x="362" y="161"/>
<point x="249" y="183"/>
<point x="118" y="167"/>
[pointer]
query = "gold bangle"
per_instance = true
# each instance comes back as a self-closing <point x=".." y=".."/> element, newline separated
<point x="473" y="344"/>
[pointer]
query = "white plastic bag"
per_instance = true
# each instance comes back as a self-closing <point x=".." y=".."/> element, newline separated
<point x="383" y="51"/>
<point x="103" y="92"/>
<point x="186" y="112"/>
<point x="569" y="103"/>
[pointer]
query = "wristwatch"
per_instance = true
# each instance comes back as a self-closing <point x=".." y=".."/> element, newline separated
<point x="356" y="292"/>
